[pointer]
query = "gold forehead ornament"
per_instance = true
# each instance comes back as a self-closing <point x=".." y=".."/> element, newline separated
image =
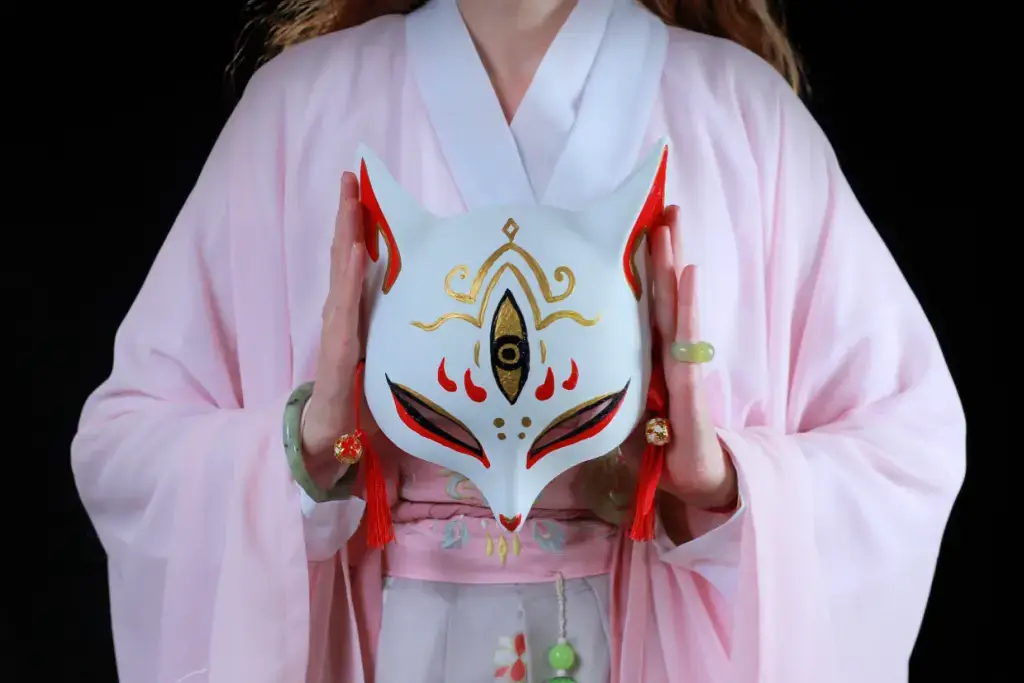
<point x="561" y="273"/>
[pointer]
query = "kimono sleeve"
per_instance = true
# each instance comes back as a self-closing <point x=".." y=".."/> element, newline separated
<point x="849" y="485"/>
<point x="179" y="458"/>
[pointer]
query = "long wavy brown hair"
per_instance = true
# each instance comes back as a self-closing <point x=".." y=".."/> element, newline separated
<point x="751" y="23"/>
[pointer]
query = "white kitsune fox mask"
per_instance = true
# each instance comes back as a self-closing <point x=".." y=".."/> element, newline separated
<point x="509" y="344"/>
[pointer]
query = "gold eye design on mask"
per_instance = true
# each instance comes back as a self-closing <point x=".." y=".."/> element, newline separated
<point x="510" y="348"/>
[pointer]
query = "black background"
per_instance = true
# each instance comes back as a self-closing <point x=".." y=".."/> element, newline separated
<point x="132" y="97"/>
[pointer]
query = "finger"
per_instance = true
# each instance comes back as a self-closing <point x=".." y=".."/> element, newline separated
<point x="686" y="316"/>
<point x="349" y="185"/>
<point x="671" y="216"/>
<point x="344" y="228"/>
<point x="341" y="329"/>
<point x="672" y="221"/>
<point x="347" y="227"/>
<point x="351" y="292"/>
<point x="663" y="278"/>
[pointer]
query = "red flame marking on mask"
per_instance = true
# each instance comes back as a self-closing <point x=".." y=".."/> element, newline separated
<point x="477" y="394"/>
<point x="446" y="382"/>
<point x="546" y="390"/>
<point x="574" y="377"/>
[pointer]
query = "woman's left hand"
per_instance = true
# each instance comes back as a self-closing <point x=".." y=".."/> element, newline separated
<point x="697" y="471"/>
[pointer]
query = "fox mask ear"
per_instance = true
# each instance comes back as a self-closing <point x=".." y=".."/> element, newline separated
<point x="390" y="215"/>
<point x="626" y="216"/>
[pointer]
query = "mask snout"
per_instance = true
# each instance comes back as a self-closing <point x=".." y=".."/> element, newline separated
<point x="511" y="523"/>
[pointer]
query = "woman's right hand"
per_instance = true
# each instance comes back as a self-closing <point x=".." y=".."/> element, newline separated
<point x="329" y="413"/>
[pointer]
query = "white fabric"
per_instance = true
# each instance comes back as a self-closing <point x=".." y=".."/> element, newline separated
<point x="466" y="633"/>
<point x="481" y="149"/>
<point x="547" y="113"/>
<point x="328" y="525"/>
<point x="463" y="108"/>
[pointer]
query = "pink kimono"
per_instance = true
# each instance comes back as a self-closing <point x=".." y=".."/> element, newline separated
<point x="828" y="386"/>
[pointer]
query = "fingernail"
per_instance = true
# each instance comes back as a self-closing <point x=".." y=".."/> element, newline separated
<point x="671" y="212"/>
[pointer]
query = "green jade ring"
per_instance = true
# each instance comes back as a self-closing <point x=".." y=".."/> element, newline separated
<point x="562" y="658"/>
<point x="692" y="352"/>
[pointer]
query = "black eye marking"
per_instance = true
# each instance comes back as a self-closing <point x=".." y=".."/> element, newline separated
<point x="510" y="348"/>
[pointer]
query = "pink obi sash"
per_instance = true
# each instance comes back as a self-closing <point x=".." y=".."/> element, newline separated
<point x="468" y="549"/>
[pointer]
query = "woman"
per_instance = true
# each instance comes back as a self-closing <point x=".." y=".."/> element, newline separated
<point x="801" y="514"/>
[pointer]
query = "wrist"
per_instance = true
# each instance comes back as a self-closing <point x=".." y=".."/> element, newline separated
<point x="732" y="481"/>
<point x="318" y="452"/>
<point x="318" y="476"/>
<point x="717" y="493"/>
<point x="322" y="423"/>
<point x="722" y="499"/>
<point x="726" y="498"/>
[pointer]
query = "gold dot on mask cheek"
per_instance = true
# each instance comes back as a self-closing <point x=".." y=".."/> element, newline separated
<point x="521" y="436"/>
<point x="527" y="422"/>
<point x="498" y="422"/>
<point x="501" y="436"/>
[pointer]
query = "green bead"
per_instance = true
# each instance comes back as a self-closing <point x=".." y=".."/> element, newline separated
<point x="692" y="352"/>
<point x="561" y="679"/>
<point x="562" y="657"/>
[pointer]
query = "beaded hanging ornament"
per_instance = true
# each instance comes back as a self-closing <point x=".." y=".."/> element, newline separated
<point x="562" y="656"/>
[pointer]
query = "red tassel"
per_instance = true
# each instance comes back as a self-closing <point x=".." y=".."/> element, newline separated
<point x="647" y="485"/>
<point x="380" y="529"/>
<point x="653" y="459"/>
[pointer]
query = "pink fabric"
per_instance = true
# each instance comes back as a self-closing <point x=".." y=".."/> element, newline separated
<point x="446" y="533"/>
<point x="829" y="389"/>
<point x="477" y="550"/>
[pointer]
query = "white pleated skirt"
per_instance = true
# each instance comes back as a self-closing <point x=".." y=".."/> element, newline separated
<point x="436" y="632"/>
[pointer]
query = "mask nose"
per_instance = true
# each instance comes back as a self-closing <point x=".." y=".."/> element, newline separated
<point x="510" y="523"/>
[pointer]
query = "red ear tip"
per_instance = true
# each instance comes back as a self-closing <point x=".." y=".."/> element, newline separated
<point x="651" y="214"/>
<point x="365" y="190"/>
<point x="374" y="222"/>
<point x="659" y="179"/>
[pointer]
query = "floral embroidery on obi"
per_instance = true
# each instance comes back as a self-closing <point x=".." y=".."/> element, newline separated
<point x="459" y="487"/>
<point x="455" y="535"/>
<point x="549" y="535"/>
